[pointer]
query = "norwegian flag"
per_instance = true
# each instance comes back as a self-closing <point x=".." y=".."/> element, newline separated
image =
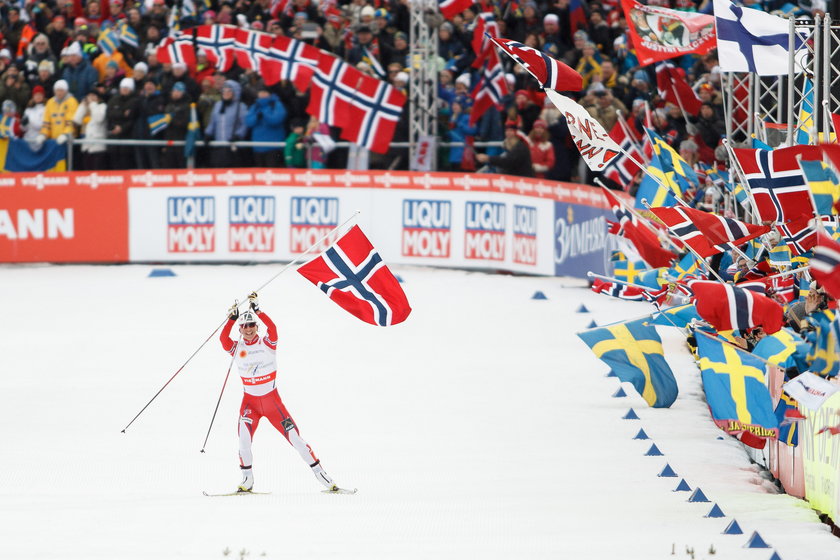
<point x="782" y="287"/>
<point x="279" y="8"/>
<point x="218" y="42"/>
<point x="178" y="48"/>
<point x="550" y="73"/>
<point x="622" y="169"/>
<point x="727" y="307"/>
<point x="673" y="87"/>
<point x="825" y="264"/>
<point x="451" y="8"/>
<point x="374" y="114"/>
<point x="630" y="293"/>
<point x="645" y="241"/>
<point x="253" y="52"/>
<point x="297" y="60"/>
<point x="706" y="233"/>
<point x="778" y="185"/>
<point x="333" y="90"/>
<point x="485" y="29"/>
<point x="799" y="235"/>
<point x="490" y="89"/>
<point x="352" y="274"/>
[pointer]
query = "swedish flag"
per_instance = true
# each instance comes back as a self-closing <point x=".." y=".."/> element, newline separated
<point x="678" y="316"/>
<point x="108" y="41"/>
<point x="735" y="391"/>
<point x="128" y="35"/>
<point x="628" y="271"/>
<point x="17" y="155"/>
<point x="653" y="192"/>
<point x="634" y="352"/>
<point x="687" y="266"/>
<point x="780" y="256"/>
<point x="193" y="133"/>
<point x="159" y="122"/>
<point x="824" y="354"/>
<point x="787" y="429"/>
<point x="654" y="278"/>
<point x="824" y="184"/>
<point x="784" y="349"/>
<point x="671" y="160"/>
<point x="805" y="122"/>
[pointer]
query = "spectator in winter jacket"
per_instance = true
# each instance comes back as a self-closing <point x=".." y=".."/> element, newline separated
<point x="295" y="151"/>
<point x="459" y="131"/>
<point x="516" y="159"/>
<point x="78" y="73"/>
<point x="33" y="116"/>
<point x="150" y="103"/>
<point x="37" y="52"/>
<point x="178" y="108"/>
<point x="227" y="124"/>
<point x="10" y="121"/>
<point x="45" y="78"/>
<point x="542" y="150"/>
<point x="266" y="119"/>
<point x="14" y="87"/>
<point x="179" y="73"/>
<point x="58" y="114"/>
<point x="90" y="118"/>
<point x="121" y="114"/>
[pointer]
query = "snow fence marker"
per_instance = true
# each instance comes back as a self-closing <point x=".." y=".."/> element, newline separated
<point x="620" y="393"/>
<point x="538" y="295"/>
<point x="641" y="434"/>
<point x="733" y="528"/>
<point x="592" y="324"/>
<point x="756" y="541"/>
<point x="698" y="496"/>
<point x="667" y="472"/>
<point x="582" y="309"/>
<point x="715" y="512"/>
<point x="682" y="486"/>
<point x="775" y="556"/>
<point x="654" y="451"/>
<point x="631" y="415"/>
<point x="160" y="273"/>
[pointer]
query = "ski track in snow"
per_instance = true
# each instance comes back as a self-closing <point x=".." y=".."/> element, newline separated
<point x="481" y="426"/>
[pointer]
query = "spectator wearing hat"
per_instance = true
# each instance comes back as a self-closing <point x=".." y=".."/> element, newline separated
<point x="140" y="72"/>
<point x="451" y="48"/>
<point x="227" y="124"/>
<point x="14" y="87"/>
<point x="524" y="110"/>
<point x="295" y="150"/>
<point x="365" y="47"/>
<point x="5" y="60"/>
<point x="91" y="120"/>
<point x="460" y="131"/>
<point x="383" y="30"/>
<point x="267" y="119"/>
<point x="33" y="115"/>
<point x="599" y="32"/>
<point x="203" y="68"/>
<point x="574" y="54"/>
<point x="516" y="159"/>
<point x="663" y="127"/>
<point x="58" y="34"/>
<point x="210" y="94"/>
<point x="151" y="39"/>
<point x="400" y="51"/>
<point x="446" y="88"/>
<point x="45" y="78"/>
<point x="150" y="103"/>
<point x="707" y="125"/>
<point x="305" y="6"/>
<point x="589" y="64"/>
<point x="604" y="107"/>
<point x="58" y="114"/>
<point x="178" y="108"/>
<point x="112" y="79"/>
<point x="550" y="33"/>
<point x="542" y="150"/>
<point x="14" y="27"/>
<point x="180" y="73"/>
<point x="102" y="61"/>
<point x="37" y="52"/>
<point x="400" y="81"/>
<point x="78" y="73"/>
<point x="10" y="121"/>
<point x="121" y="114"/>
<point x="158" y="14"/>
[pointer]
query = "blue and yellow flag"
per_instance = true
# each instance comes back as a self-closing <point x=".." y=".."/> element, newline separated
<point x="654" y="278"/>
<point x="678" y="316"/>
<point x="824" y="353"/>
<point x="628" y="271"/>
<point x="672" y="161"/>
<point x="824" y="184"/>
<point x="108" y="41"/>
<point x="783" y="349"/>
<point x="689" y="265"/>
<point x="157" y="123"/>
<point x="634" y="352"/>
<point x="651" y="191"/>
<point x="735" y="391"/>
<point x="193" y="133"/>
<point x="805" y="122"/>
<point x="780" y="256"/>
<point x="128" y="35"/>
<point x="17" y="155"/>
<point x="787" y="427"/>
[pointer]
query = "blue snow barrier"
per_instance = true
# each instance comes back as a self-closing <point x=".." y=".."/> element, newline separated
<point x="582" y="309"/>
<point x="654" y="452"/>
<point x="698" y="496"/>
<point x="641" y="435"/>
<point x="620" y="393"/>
<point x="682" y="486"/>
<point x="592" y="325"/>
<point x="756" y="541"/>
<point x="775" y="556"/>
<point x="611" y="373"/>
<point x="631" y="415"/>
<point x="667" y="472"/>
<point x="160" y="272"/>
<point x="399" y="278"/>
<point x="538" y="295"/>
<point x="720" y="437"/>
<point x="715" y="512"/>
<point x="733" y="529"/>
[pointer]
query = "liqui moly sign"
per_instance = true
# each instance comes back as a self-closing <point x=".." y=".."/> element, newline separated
<point x="191" y="222"/>
<point x="312" y="217"/>
<point x="426" y="228"/>
<point x="485" y="227"/>
<point x="252" y="224"/>
<point x="524" y="234"/>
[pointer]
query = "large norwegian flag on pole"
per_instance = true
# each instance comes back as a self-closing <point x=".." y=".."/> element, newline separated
<point x="352" y="274"/>
<point x="550" y="73"/>
<point x="643" y="239"/>
<point x="727" y="307"/>
<point x="374" y="114"/>
<point x="485" y="29"/>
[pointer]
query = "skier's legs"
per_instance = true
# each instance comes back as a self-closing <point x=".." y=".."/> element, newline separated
<point x="249" y="419"/>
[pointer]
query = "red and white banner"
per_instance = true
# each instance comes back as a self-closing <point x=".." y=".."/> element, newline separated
<point x="594" y="144"/>
<point x="659" y="33"/>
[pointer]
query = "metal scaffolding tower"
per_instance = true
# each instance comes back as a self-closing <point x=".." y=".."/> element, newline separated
<point x="422" y="97"/>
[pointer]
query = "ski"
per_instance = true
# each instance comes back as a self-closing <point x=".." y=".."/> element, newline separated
<point x="341" y="491"/>
<point x="233" y="494"/>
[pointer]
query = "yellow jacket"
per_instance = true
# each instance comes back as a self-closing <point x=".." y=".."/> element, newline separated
<point x="58" y="117"/>
<point x="101" y="61"/>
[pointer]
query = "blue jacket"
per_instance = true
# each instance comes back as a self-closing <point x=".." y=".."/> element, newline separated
<point x="80" y="79"/>
<point x="266" y="119"/>
<point x="459" y="133"/>
<point x="227" y="121"/>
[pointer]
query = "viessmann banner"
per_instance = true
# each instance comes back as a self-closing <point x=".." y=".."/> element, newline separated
<point x="438" y="219"/>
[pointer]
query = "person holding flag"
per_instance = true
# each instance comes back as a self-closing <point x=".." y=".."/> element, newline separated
<point x="255" y="358"/>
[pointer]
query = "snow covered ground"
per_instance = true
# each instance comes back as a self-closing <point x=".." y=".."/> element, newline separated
<point x="480" y="427"/>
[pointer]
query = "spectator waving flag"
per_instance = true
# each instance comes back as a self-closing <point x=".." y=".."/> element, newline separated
<point x="594" y="144"/>
<point x="108" y="41"/>
<point x="128" y="35"/>
<point x="485" y="29"/>
<point x="707" y="233"/>
<point x="491" y="88"/>
<point x="550" y="73"/>
<point x="352" y="274"/>
<point x="750" y="40"/>
<point x="643" y="239"/>
<point x="673" y="87"/>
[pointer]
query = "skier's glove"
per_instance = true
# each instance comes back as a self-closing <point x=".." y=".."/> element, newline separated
<point x="254" y="302"/>
<point x="233" y="312"/>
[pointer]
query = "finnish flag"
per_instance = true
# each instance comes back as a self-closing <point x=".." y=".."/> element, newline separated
<point x="751" y="40"/>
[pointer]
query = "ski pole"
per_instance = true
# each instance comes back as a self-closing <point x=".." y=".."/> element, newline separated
<point x="270" y="280"/>
<point x="220" y="395"/>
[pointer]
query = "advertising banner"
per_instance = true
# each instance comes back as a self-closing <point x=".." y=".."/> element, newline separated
<point x="580" y="239"/>
<point x="661" y="33"/>
<point x="821" y="457"/>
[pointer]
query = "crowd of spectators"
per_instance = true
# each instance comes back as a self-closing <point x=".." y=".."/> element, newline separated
<point x="62" y="85"/>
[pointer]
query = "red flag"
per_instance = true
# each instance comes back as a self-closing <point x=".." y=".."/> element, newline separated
<point x="332" y="90"/>
<point x="451" y="8"/>
<point x="373" y="114"/>
<point x="550" y="73"/>
<point x="835" y="123"/>
<point x="352" y="274"/>
<point x="660" y="33"/>
<point x="218" y="43"/>
<point x="485" y="29"/>
<point x="727" y="307"/>
<point x="645" y="241"/>
<point x="297" y="60"/>
<point x="253" y="52"/>
<point x="825" y="264"/>
<point x="706" y="233"/>
<point x="177" y="49"/>
<point x="672" y="86"/>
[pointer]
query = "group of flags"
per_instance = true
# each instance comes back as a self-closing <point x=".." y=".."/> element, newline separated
<point x="366" y="109"/>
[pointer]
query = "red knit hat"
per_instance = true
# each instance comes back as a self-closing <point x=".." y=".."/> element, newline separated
<point x="38" y="89"/>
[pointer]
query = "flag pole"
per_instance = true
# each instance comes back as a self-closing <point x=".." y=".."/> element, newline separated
<point x="740" y="172"/>
<point x="626" y="128"/>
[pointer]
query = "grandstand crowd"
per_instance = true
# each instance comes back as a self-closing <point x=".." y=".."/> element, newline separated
<point x="58" y="83"/>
